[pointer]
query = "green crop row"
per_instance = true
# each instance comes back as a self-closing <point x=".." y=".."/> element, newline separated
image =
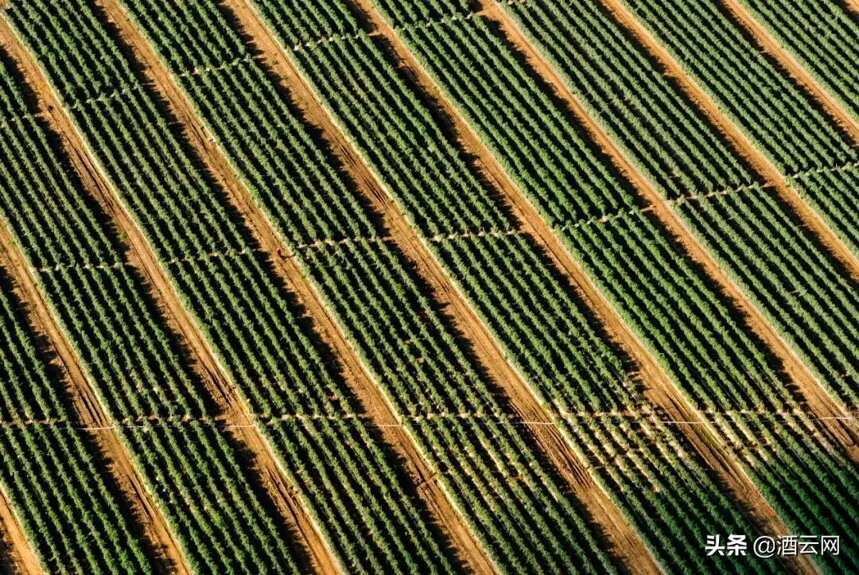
<point x="754" y="236"/>
<point x="512" y="501"/>
<point x="531" y="311"/>
<point x="764" y="101"/>
<point x="131" y="359"/>
<point x="345" y="475"/>
<point x="688" y="325"/>
<point x="821" y="34"/>
<point x="49" y="470"/>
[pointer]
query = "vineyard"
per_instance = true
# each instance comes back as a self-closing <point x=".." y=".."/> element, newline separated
<point x="409" y="286"/>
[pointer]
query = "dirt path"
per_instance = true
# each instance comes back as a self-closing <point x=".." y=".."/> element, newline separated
<point x="818" y="400"/>
<point x="142" y="257"/>
<point x="465" y="321"/>
<point x="88" y="405"/>
<point x="831" y="106"/>
<point x="811" y="220"/>
<point x="292" y="275"/>
<point x="821" y="404"/>
<point x="660" y="389"/>
<point x="793" y="67"/>
<point x="16" y="555"/>
<point x="377" y="406"/>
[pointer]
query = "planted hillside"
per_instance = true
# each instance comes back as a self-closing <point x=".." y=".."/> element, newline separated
<point x="344" y="473"/>
<point x="806" y="145"/>
<point x="822" y="36"/>
<point x="721" y="366"/>
<point x="145" y="383"/>
<point x="428" y="286"/>
<point x="514" y="502"/>
<point x="50" y="469"/>
<point x="547" y="334"/>
<point x="806" y="294"/>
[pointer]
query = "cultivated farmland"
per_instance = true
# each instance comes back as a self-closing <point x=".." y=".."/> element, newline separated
<point x="413" y="286"/>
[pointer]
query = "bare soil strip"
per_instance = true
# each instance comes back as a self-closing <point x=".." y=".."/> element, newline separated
<point x="142" y="257"/>
<point x="829" y="415"/>
<point x="377" y="406"/>
<point x="793" y="67"/>
<point x="660" y="389"/>
<point x="16" y="556"/>
<point x="820" y="403"/>
<point x="289" y="271"/>
<point x="623" y="537"/>
<point x="810" y="219"/>
<point x="454" y="305"/>
<point x="88" y="405"/>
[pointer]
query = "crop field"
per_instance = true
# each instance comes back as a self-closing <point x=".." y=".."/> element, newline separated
<point x="429" y="286"/>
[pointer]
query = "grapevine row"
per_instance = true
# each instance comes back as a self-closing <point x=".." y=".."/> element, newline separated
<point x="345" y="475"/>
<point x="692" y="330"/>
<point x="512" y="500"/>
<point x="761" y="98"/>
<point x="822" y="35"/>
<point x="49" y="470"/>
<point x="129" y="355"/>
<point x="754" y="236"/>
<point x="546" y="333"/>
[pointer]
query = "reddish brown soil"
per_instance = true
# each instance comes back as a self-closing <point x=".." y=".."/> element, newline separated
<point x="661" y="390"/>
<point x="810" y="219"/>
<point x="236" y="419"/>
<point x="16" y="556"/>
<point x="487" y="350"/>
<point x="443" y="291"/>
<point x="377" y="408"/>
<point x="793" y="67"/>
<point x="819" y="402"/>
<point x="88" y="406"/>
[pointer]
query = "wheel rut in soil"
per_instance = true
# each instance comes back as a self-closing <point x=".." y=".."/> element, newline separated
<point x="661" y="389"/>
